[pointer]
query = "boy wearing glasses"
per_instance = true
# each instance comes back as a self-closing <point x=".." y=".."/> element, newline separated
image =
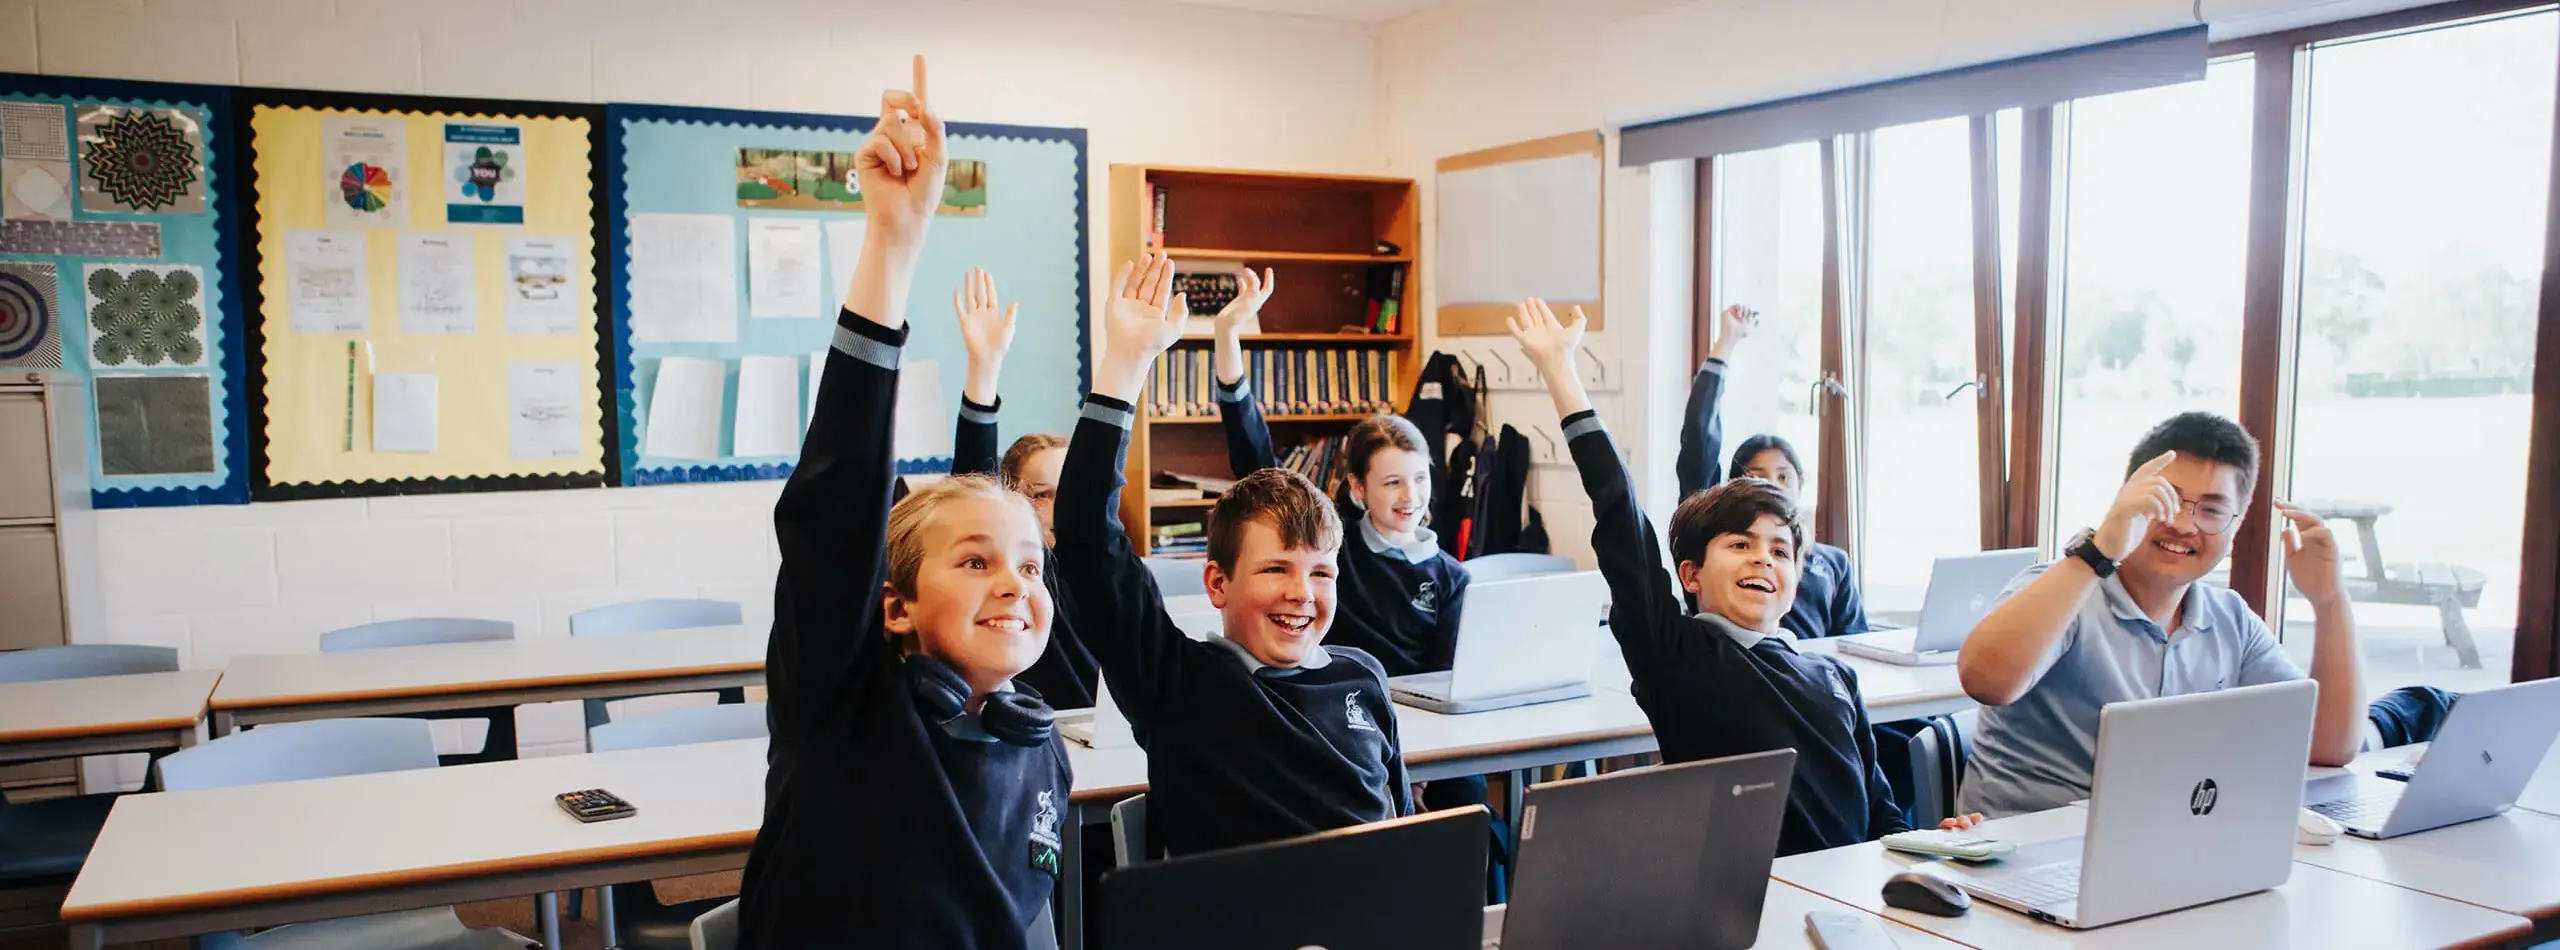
<point x="2123" y="616"/>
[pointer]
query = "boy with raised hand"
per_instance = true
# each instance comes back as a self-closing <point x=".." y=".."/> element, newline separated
<point x="1261" y="733"/>
<point x="2125" y="615"/>
<point x="1728" y="680"/>
<point x="912" y="797"/>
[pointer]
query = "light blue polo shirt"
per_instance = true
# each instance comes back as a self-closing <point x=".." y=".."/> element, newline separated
<point x="2037" y="753"/>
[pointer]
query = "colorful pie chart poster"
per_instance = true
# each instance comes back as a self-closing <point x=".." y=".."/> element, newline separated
<point x="364" y="174"/>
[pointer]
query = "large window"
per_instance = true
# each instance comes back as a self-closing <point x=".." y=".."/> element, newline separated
<point x="1768" y="239"/>
<point x="2428" y="159"/>
<point x="2157" y="227"/>
<point x="1921" y="428"/>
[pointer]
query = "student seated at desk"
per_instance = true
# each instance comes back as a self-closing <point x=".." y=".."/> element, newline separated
<point x="1827" y="602"/>
<point x="913" y="796"/>
<point x="2124" y="615"/>
<point x="1067" y="673"/>
<point x="1261" y="733"/>
<point x="1726" y="680"/>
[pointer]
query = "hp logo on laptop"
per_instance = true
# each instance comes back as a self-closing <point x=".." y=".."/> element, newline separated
<point x="2200" y="802"/>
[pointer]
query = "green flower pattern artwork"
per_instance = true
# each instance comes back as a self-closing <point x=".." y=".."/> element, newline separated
<point x="146" y="316"/>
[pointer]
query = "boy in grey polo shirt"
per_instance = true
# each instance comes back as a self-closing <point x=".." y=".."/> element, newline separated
<point x="2123" y="616"/>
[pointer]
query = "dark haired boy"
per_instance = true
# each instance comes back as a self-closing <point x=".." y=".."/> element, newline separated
<point x="1261" y="733"/>
<point x="1727" y="680"/>
<point x="2123" y="616"/>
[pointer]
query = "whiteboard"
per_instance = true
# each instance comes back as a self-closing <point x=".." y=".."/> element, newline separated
<point x="1521" y="229"/>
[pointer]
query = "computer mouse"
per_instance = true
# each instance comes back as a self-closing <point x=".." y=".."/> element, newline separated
<point x="1927" y="894"/>
<point x="2316" y="829"/>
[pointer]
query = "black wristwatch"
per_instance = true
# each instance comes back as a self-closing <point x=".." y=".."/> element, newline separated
<point x="2085" y="547"/>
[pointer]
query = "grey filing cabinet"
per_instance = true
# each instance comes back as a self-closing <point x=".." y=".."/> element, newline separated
<point x="48" y="535"/>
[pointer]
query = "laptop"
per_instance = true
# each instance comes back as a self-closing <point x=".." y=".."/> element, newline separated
<point x="1961" y="590"/>
<point x="1409" y="884"/>
<point x="2482" y="757"/>
<point x="2195" y="799"/>
<point x="1102" y="727"/>
<point x="1521" y="641"/>
<point x="1674" y="857"/>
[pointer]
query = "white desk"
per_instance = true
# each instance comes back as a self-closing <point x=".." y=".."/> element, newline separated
<point x="2543" y="793"/>
<point x="398" y="680"/>
<point x="2317" y="908"/>
<point x="2508" y="862"/>
<point x="1782" y="927"/>
<point x="102" y="715"/>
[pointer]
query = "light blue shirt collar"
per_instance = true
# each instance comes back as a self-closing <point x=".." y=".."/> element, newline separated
<point x="2193" y="614"/>
<point x="1316" y="658"/>
<point x="1747" y="638"/>
<point x="1424" y="546"/>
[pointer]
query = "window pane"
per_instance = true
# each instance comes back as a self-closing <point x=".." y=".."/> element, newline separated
<point x="1922" y="491"/>
<point x="1768" y="243"/>
<point x="2429" y="159"/>
<point x="2157" y="230"/>
<point x="2008" y="130"/>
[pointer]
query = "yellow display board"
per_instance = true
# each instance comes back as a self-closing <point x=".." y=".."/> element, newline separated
<point x="374" y="278"/>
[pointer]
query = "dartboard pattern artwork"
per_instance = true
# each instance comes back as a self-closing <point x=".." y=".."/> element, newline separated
<point x="141" y="159"/>
<point x="365" y="187"/>
<point x="30" y="317"/>
<point x="145" y="316"/>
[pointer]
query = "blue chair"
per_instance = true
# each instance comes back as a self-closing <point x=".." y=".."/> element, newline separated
<point x="1494" y="567"/>
<point x="1129" y="831"/>
<point x="500" y="744"/>
<point x="717" y="930"/>
<point x="328" y="748"/>
<point x="85" y="660"/>
<point x="643" y="616"/>
<point x="1176" y="576"/>
<point x="44" y="843"/>
<point x="632" y="917"/>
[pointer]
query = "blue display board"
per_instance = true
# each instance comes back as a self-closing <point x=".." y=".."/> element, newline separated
<point x="1024" y="221"/>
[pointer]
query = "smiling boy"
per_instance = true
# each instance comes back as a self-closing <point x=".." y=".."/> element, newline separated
<point x="1263" y="732"/>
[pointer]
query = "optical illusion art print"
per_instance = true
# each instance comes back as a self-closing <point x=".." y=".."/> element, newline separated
<point x="30" y="317"/>
<point x="145" y="316"/>
<point x="140" y="160"/>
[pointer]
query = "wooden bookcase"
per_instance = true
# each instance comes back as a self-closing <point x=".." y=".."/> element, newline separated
<point x="1318" y="234"/>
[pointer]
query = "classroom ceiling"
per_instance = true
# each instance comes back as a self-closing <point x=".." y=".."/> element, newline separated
<point x="1355" y="11"/>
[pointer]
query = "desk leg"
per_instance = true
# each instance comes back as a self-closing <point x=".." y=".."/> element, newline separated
<point x="1071" y="883"/>
<point x="2374" y="569"/>
<point x="87" y="937"/>
<point x="547" y="912"/>
<point x="224" y="723"/>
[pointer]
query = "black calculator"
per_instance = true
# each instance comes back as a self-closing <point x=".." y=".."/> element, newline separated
<point x="594" y="804"/>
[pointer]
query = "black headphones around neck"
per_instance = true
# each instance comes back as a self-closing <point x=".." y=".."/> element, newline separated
<point x="1014" y="716"/>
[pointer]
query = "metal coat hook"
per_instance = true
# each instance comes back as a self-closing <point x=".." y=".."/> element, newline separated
<point x="1813" y="394"/>
<point x="1602" y="366"/>
<point x="1550" y="443"/>
<point x="1974" y="384"/>
<point x="1506" y="368"/>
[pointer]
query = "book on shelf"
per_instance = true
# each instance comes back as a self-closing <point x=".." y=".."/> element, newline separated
<point x="1290" y="381"/>
<point x="1181" y="529"/>
<point x="1155" y="216"/>
<point x="1164" y="495"/>
<point x="1209" y="485"/>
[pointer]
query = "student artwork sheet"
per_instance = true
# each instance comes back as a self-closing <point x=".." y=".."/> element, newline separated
<point x="542" y="409"/>
<point x="768" y="417"/>
<point x="684" y="278"/>
<point x="684" y="409"/>
<point x="404" y="412"/>
<point x="924" y="422"/>
<point x="783" y="268"/>
<point x="365" y="175"/>
<point x="436" y="293"/>
<point x="844" y="249"/>
<point x="484" y="173"/>
<point x="325" y="281"/>
<point x="35" y="162"/>
<point x="542" y="286"/>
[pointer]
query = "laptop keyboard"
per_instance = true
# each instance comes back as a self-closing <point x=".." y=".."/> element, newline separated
<point x="2360" y="812"/>
<point x="2040" y="886"/>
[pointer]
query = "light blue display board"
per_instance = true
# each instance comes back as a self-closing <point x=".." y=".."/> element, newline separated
<point x="664" y="159"/>
<point x="200" y="239"/>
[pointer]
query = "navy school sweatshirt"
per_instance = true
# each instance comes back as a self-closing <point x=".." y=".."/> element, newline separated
<point x="1827" y="601"/>
<point x="1066" y="673"/>
<point x="880" y="824"/>
<point x="1399" y="603"/>
<point x="1713" y="689"/>
<point x="1237" y="753"/>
